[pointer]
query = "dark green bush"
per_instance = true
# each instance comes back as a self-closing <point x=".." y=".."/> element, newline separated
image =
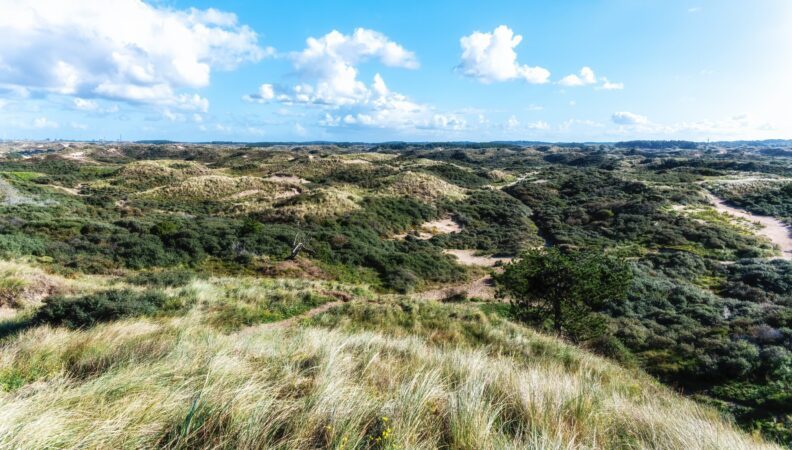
<point x="88" y="310"/>
<point x="162" y="278"/>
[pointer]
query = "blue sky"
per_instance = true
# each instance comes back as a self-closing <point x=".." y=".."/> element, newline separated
<point x="379" y="71"/>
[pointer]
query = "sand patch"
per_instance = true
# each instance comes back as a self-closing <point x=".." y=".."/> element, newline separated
<point x="431" y="229"/>
<point x="481" y="288"/>
<point x="469" y="258"/>
<point x="288" y="179"/>
<point x="355" y="161"/>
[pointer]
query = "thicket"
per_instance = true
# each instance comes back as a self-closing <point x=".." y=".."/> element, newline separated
<point x="88" y="310"/>
<point x="594" y="208"/>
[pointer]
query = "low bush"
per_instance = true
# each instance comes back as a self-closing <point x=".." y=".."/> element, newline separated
<point x="88" y="310"/>
<point x="162" y="278"/>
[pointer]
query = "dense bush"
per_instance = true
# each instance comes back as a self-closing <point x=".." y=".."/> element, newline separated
<point x="769" y="202"/>
<point x="493" y="222"/>
<point x="88" y="310"/>
<point x="596" y="208"/>
<point x="162" y="278"/>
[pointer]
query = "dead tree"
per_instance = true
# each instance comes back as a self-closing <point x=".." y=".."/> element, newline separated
<point x="300" y="244"/>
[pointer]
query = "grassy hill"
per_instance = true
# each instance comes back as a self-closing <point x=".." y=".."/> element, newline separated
<point x="371" y="372"/>
<point x="152" y="296"/>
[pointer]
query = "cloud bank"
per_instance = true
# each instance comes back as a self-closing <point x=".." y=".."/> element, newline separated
<point x="123" y="50"/>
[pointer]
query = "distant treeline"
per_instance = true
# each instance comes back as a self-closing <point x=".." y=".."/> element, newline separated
<point x="687" y="145"/>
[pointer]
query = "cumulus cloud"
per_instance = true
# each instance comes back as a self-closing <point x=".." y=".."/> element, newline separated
<point x="628" y="118"/>
<point x="328" y="68"/>
<point x="538" y="125"/>
<point x="587" y="77"/>
<point x="328" y="78"/>
<point x="490" y="57"/>
<point x="124" y="50"/>
<point x="265" y="93"/>
<point x="512" y="124"/>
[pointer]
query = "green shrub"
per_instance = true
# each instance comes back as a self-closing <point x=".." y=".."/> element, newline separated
<point x="88" y="310"/>
<point x="162" y="278"/>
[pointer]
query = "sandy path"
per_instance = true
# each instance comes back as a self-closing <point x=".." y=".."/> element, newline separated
<point x="772" y="228"/>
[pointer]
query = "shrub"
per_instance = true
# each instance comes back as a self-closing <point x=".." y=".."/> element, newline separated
<point x="163" y="278"/>
<point x="88" y="310"/>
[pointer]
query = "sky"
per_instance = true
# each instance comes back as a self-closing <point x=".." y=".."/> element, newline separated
<point x="573" y="70"/>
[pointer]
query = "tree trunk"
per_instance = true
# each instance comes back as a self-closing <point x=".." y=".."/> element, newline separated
<point x="557" y="315"/>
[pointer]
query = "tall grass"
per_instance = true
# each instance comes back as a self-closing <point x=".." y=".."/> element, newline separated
<point x="177" y="384"/>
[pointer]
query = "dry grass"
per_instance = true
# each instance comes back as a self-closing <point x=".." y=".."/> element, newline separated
<point x="148" y="174"/>
<point x="221" y="187"/>
<point x="23" y="285"/>
<point x="177" y="384"/>
<point x="316" y="204"/>
<point x="376" y="372"/>
<point x="423" y="186"/>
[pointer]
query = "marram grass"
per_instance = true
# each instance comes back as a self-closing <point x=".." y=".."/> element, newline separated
<point x="176" y="383"/>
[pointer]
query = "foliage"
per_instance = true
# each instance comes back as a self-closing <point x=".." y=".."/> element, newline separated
<point x="88" y="310"/>
<point x="181" y="217"/>
<point x="562" y="291"/>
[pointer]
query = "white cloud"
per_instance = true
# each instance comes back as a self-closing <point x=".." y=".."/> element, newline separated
<point x="265" y="93"/>
<point x="585" y="78"/>
<point x="538" y="125"/>
<point x="742" y="126"/>
<point x="328" y="68"/>
<point x="78" y="126"/>
<point x="490" y="57"/>
<point x="173" y="116"/>
<point x="695" y="9"/>
<point x="610" y="86"/>
<point x="512" y="123"/>
<point x="122" y="50"/>
<point x="628" y="118"/>
<point x="328" y="73"/>
<point x="43" y="122"/>
<point x="86" y="105"/>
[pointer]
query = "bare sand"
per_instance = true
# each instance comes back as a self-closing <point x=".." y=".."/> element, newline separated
<point x="286" y="179"/>
<point x="482" y="288"/>
<point x="772" y="228"/>
<point x="428" y="230"/>
<point x="469" y="258"/>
